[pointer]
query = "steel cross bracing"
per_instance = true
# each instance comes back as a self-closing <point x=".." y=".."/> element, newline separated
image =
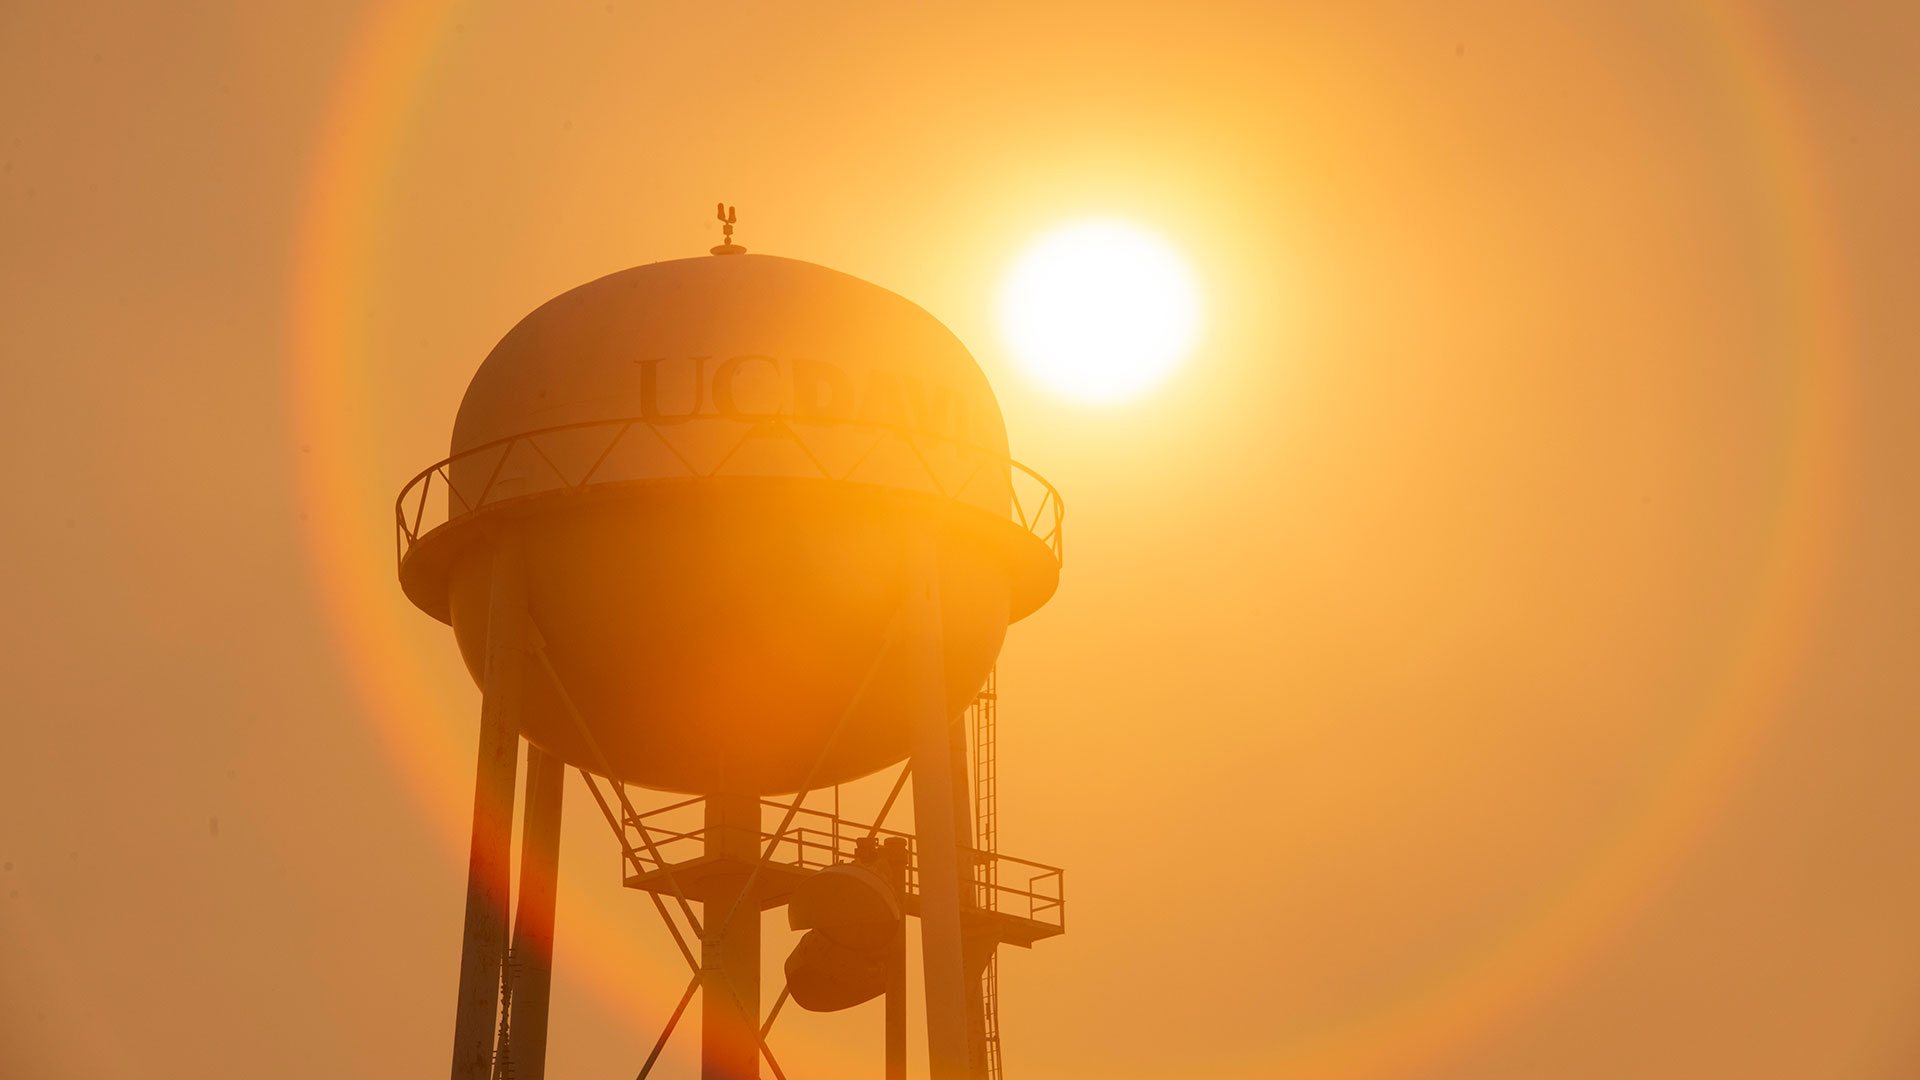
<point x="663" y="849"/>
<point x="700" y="975"/>
<point x="693" y="921"/>
<point x="794" y="853"/>
<point x="812" y="848"/>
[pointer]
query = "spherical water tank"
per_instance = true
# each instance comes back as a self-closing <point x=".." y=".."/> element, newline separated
<point x="714" y="474"/>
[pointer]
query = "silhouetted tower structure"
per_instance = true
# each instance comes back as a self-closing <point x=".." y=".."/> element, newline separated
<point x="739" y="527"/>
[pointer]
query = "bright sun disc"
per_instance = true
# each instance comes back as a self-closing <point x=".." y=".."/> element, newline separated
<point x="1099" y="310"/>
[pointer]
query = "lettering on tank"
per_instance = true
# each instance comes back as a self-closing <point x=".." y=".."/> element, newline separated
<point x="751" y="386"/>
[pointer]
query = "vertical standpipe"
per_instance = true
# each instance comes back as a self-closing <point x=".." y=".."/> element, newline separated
<point x="730" y="955"/>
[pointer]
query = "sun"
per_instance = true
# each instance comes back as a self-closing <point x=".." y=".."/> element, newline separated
<point x="1099" y="311"/>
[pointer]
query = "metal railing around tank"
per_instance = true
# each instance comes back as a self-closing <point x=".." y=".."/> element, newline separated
<point x="1034" y="503"/>
<point x="818" y="839"/>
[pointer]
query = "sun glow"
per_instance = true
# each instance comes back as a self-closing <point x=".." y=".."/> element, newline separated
<point x="1099" y="311"/>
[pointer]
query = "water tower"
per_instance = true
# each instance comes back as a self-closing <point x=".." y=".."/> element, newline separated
<point x="741" y="528"/>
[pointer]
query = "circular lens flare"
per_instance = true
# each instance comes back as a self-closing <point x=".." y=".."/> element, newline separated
<point x="1099" y="311"/>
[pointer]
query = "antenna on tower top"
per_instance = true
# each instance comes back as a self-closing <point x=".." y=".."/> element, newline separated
<point x="726" y="215"/>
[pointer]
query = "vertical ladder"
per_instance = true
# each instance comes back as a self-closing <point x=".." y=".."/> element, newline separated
<point x="503" y="1038"/>
<point x="986" y="873"/>
<point x="986" y="793"/>
<point x="990" y="986"/>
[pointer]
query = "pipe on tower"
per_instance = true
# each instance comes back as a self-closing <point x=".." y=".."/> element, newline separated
<point x="730" y="955"/>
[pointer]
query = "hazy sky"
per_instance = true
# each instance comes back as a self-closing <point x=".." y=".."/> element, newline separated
<point x="1495" y="654"/>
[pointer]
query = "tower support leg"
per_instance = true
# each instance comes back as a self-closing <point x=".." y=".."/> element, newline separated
<point x="934" y="797"/>
<point x="970" y="897"/>
<point x="533" y="915"/>
<point x="730" y="955"/>
<point x="489" y="857"/>
<point x="895" y="859"/>
<point x="896" y="1004"/>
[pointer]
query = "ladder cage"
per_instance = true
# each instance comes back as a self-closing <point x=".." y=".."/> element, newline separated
<point x="986" y="866"/>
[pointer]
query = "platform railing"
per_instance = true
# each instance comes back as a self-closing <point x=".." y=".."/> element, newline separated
<point x="819" y="839"/>
<point x="1033" y="503"/>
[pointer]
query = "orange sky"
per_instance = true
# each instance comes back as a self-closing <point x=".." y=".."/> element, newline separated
<point x="1494" y="654"/>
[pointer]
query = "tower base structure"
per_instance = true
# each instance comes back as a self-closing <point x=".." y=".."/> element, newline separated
<point x="734" y="868"/>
